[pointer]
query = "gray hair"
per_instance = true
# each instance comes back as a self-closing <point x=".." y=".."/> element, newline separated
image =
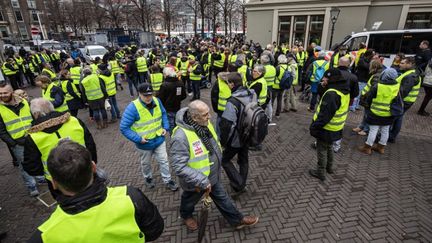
<point x="87" y="71"/>
<point x="169" y="72"/>
<point x="195" y="107"/>
<point x="282" y="59"/>
<point x="241" y="57"/>
<point x="344" y="62"/>
<point x="321" y="54"/>
<point x="41" y="107"/>
<point x="265" y="59"/>
<point x="259" y="68"/>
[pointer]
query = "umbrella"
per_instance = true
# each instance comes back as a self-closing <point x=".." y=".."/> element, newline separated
<point x="204" y="215"/>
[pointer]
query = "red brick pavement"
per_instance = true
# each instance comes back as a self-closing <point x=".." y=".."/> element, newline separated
<point x="379" y="198"/>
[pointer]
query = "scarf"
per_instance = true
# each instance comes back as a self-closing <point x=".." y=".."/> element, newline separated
<point x="202" y="131"/>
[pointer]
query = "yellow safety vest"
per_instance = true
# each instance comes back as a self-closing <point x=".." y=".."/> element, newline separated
<point x="68" y="96"/>
<point x="111" y="221"/>
<point x="76" y="74"/>
<point x="233" y="58"/>
<point x="282" y="68"/>
<point x="19" y="60"/>
<point x="224" y="94"/>
<point x="94" y="67"/>
<point x="7" y="71"/>
<point x="270" y="75"/>
<point x="295" y="81"/>
<point x="46" y="57"/>
<point x="45" y="142"/>
<point x="336" y="59"/>
<point x="316" y="65"/>
<point x="115" y="68"/>
<point x="51" y="74"/>
<point x="148" y="126"/>
<point x="262" y="96"/>
<point x="338" y="121"/>
<point x="219" y="63"/>
<point x="381" y="103"/>
<point x="199" y="158"/>
<point x="184" y="67"/>
<point x="141" y="63"/>
<point x="92" y="87"/>
<point x="368" y="85"/>
<point x="156" y="80"/>
<point x="243" y="70"/>
<point x="412" y="95"/>
<point x="301" y="58"/>
<point x="110" y="84"/>
<point x="193" y="76"/>
<point x="46" y="94"/>
<point x="16" y="125"/>
<point x="358" y="55"/>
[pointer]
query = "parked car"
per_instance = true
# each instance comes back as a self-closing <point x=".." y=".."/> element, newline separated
<point x="93" y="51"/>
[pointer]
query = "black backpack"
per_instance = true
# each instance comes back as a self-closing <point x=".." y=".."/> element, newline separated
<point x="252" y="124"/>
<point x="286" y="80"/>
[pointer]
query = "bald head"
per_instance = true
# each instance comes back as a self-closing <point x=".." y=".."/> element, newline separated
<point x="344" y="62"/>
<point x="40" y="107"/>
<point x="199" y="112"/>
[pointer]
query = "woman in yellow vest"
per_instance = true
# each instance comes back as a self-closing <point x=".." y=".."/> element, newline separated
<point x="379" y="116"/>
<point x="72" y="95"/>
<point x="94" y="93"/>
<point x="52" y="93"/>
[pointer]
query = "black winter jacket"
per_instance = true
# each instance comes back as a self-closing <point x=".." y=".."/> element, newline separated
<point x="362" y="69"/>
<point x="351" y="80"/>
<point x="407" y="83"/>
<point x="171" y="93"/>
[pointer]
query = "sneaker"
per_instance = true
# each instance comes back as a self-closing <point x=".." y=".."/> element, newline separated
<point x="247" y="221"/>
<point x="189" y="94"/>
<point x="272" y="124"/>
<point x="362" y="133"/>
<point x="172" y="185"/>
<point x="34" y="192"/>
<point x="150" y="183"/>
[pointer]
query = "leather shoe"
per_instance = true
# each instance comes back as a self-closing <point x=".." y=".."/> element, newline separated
<point x="248" y="221"/>
<point x="315" y="173"/>
<point x="329" y="170"/>
<point x="191" y="224"/>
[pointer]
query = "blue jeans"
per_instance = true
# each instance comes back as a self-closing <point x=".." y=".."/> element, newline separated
<point x="363" y="125"/>
<point x="356" y="101"/>
<point x="171" y="120"/>
<point x="161" y="156"/>
<point x="142" y="77"/>
<point x="98" y="113"/>
<point x="115" y="112"/>
<point x="132" y="84"/>
<point x="196" y="89"/>
<point x="220" y="198"/>
<point x="29" y="181"/>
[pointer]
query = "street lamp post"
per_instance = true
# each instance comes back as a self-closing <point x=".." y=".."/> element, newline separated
<point x="334" y="14"/>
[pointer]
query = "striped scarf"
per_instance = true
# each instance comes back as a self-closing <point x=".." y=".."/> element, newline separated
<point x="202" y="131"/>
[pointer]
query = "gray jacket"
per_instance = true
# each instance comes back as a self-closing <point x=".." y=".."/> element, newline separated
<point x="228" y="125"/>
<point x="190" y="178"/>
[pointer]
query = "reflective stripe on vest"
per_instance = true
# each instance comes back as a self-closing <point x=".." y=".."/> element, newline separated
<point x="224" y="94"/>
<point x="193" y="76"/>
<point x="301" y="58"/>
<point x="16" y="125"/>
<point x="219" y="63"/>
<point x="45" y="142"/>
<point x="7" y="71"/>
<point x="270" y="75"/>
<point x="111" y="221"/>
<point x="338" y="120"/>
<point x="115" y="68"/>
<point x="184" y="68"/>
<point x="316" y="65"/>
<point x="282" y="68"/>
<point x="46" y="94"/>
<point x="76" y="74"/>
<point x="92" y="87"/>
<point x="198" y="153"/>
<point x="412" y="95"/>
<point x="156" y="80"/>
<point x="381" y="103"/>
<point x="68" y="96"/>
<point x="368" y="85"/>
<point x="110" y="84"/>
<point x="262" y="97"/>
<point x="141" y="63"/>
<point x="148" y="126"/>
<point x="243" y="70"/>
<point x="51" y="74"/>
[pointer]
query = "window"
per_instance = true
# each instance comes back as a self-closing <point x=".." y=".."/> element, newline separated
<point x="354" y="43"/>
<point x="1" y="16"/>
<point x="15" y="3"/>
<point x="419" y="21"/>
<point x="385" y="43"/>
<point x="34" y="16"/>
<point x="411" y="41"/>
<point x="299" y="29"/>
<point x="31" y="4"/>
<point x="316" y="28"/>
<point x="18" y="15"/>
<point x="284" y="29"/>
<point x="23" y="31"/>
<point x="4" y="31"/>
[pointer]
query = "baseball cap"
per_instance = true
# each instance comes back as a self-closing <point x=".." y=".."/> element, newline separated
<point x="333" y="74"/>
<point x="145" y="89"/>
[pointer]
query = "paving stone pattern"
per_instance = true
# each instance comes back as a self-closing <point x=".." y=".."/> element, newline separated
<point x="377" y="198"/>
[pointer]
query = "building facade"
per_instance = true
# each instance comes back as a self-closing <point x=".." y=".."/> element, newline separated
<point x="306" y="21"/>
<point x="18" y="17"/>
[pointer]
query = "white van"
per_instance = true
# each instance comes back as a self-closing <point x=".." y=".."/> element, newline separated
<point x="389" y="42"/>
<point x="93" y="51"/>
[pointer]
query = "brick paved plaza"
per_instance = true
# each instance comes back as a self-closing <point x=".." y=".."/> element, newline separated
<point x="380" y="198"/>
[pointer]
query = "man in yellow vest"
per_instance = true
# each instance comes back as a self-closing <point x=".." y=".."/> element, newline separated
<point x="141" y="64"/>
<point x="20" y="63"/>
<point x="196" y="159"/>
<point x="195" y="73"/>
<point x="49" y="127"/>
<point x="410" y="83"/>
<point x="145" y="123"/>
<point x="114" y="214"/>
<point x="301" y="57"/>
<point x="342" y="52"/>
<point x="15" y="119"/>
<point x="110" y="86"/>
<point x="52" y="93"/>
<point x="329" y="120"/>
<point x="270" y="77"/>
<point x="10" y="70"/>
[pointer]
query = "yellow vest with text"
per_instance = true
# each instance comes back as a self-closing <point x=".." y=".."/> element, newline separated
<point x="110" y="84"/>
<point x="413" y="94"/>
<point x="381" y="103"/>
<point x="45" y="142"/>
<point x="338" y="121"/>
<point x="92" y="87"/>
<point x="224" y="94"/>
<point x="16" y="125"/>
<point x="111" y="221"/>
<point x="262" y="96"/>
<point x="199" y="158"/>
<point x="148" y="126"/>
<point x="156" y="80"/>
<point x="141" y="63"/>
<point x="46" y="94"/>
<point x="270" y="75"/>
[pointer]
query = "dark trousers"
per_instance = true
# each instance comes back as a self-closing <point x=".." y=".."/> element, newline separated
<point x="426" y="99"/>
<point x="196" y="89"/>
<point x="142" y="77"/>
<point x="277" y="95"/>
<point x="13" y="80"/>
<point x="397" y="125"/>
<point x="97" y="114"/>
<point x="299" y="75"/>
<point x="220" y="198"/>
<point x="187" y="83"/>
<point x="237" y="177"/>
<point x="313" y="101"/>
<point x="325" y="156"/>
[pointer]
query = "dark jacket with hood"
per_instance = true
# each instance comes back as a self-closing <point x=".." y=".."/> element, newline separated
<point x="76" y="103"/>
<point x="362" y="69"/>
<point x="329" y="104"/>
<point x="371" y="118"/>
<point x="407" y="84"/>
<point x="351" y="80"/>
<point x="50" y="123"/>
<point x="171" y="93"/>
<point x="146" y="214"/>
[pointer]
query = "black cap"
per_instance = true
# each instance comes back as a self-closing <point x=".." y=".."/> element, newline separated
<point x="145" y="89"/>
<point x="333" y="74"/>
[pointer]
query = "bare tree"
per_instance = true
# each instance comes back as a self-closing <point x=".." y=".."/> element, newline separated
<point x="195" y="7"/>
<point x="202" y="8"/>
<point x="226" y="6"/>
<point x="113" y="9"/>
<point x="57" y="22"/>
<point x="213" y="11"/>
<point x="169" y="15"/>
<point x="98" y="13"/>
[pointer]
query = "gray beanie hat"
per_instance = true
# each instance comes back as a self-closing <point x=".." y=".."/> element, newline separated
<point x="389" y="74"/>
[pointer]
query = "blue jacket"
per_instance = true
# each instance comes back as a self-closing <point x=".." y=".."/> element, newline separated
<point x="130" y="116"/>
